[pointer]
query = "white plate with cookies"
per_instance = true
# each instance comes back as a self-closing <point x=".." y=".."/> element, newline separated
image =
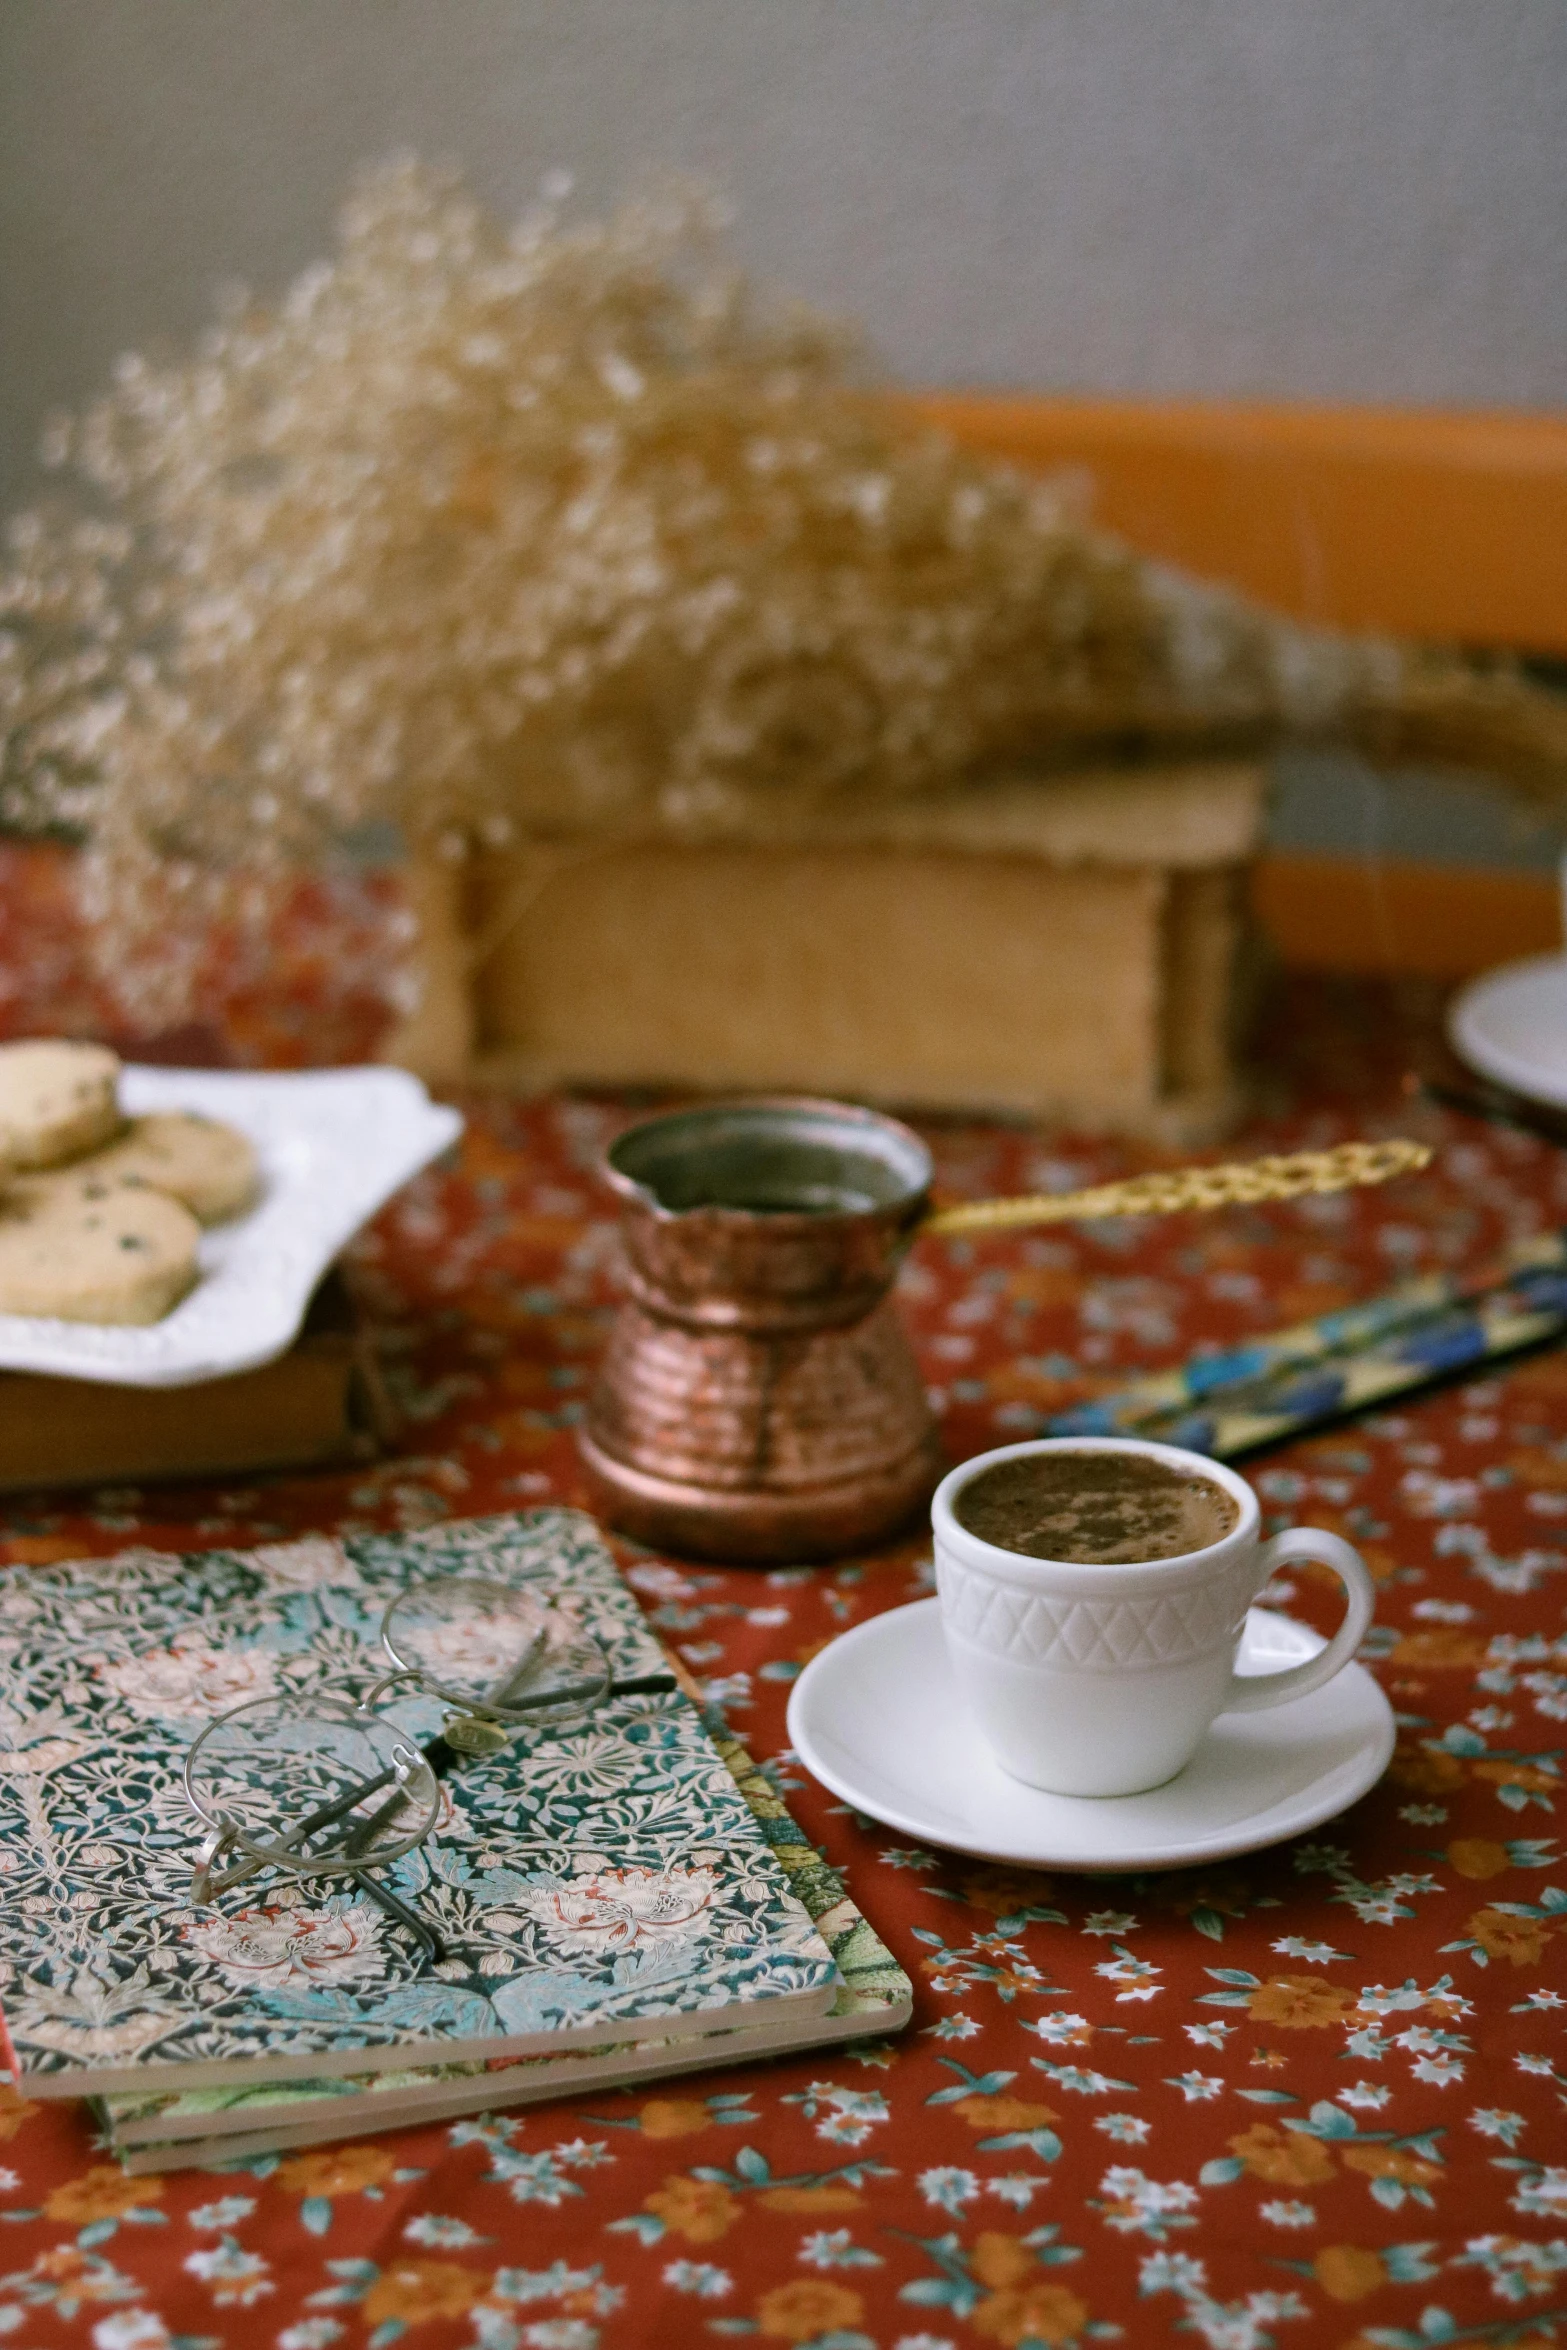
<point x="159" y="1227"/>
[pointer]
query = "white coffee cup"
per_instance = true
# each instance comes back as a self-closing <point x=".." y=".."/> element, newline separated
<point x="1104" y="1679"/>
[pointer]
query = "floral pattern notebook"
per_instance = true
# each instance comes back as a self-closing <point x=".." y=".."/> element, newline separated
<point x="203" y="2126"/>
<point x="549" y="1874"/>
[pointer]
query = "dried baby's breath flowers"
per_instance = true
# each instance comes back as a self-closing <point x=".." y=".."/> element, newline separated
<point x="483" y="535"/>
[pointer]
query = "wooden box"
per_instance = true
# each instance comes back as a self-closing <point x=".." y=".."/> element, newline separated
<point x="1061" y="947"/>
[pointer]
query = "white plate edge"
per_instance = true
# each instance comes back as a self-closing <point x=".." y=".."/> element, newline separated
<point x="1472" y="1045"/>
<point x="34" y="1344"/>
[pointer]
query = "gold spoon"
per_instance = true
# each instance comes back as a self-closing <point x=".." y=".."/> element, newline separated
<point x="1165" y="1193"/>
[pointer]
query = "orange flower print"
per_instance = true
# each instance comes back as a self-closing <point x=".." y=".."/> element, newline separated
<point x="14" y="2111"/>
<point x="1425" y="1770"/>
<point x="343" y="2170"/>
<point x="800" y="2311"/>
<point x="1446" y="1647"/>
<point x="1009" y="1981"/>
<point x="1004" y="2113"/>
<point x="413" y="2291"/>
<point x="1001" y="1893"/>
<point x="1477" y="1857"/>
<point x="78" y="2278"/>
<point x="698" y="2209"/>
<point x="1031" y="2313"/>
<point x="1299" y="2003"/>
<point x="827" y="2198"/>
<point x="1522" y="1940"/>
<point x="1529" y="1776"/>
<point x="1284" y="2158"/>
<point x="1348" y="2272"/>
<point x="673" y="2117"/>
<point x="1391" y="2162"/>
<point x="1002" y="2260"/>
<point x="104" y="2192"/>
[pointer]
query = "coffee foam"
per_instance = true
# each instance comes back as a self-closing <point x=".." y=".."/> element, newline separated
<point x="1095" y="1508"/>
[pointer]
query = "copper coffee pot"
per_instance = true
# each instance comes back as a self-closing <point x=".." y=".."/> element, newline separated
<point x="758" y="1399"/>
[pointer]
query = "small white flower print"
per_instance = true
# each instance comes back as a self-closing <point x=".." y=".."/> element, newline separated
<point x="1110" y="1921"/>
<point x="1494" y="2121"/>
<point x="1544" y="2196"/>
<point x="1138" y="2205"/>
<point x="1063" y="2031"/>
<point x="130" y="2329"/>
<point x="1196" y="2087"/>
<point x="728" y="1689"/>
<point x="226" y="2214"/>
<point x="1440" y="2070"/>
<point x="1172" y="2272"/>
<point x="434" y="2227"/>
<point x="851" y="2114"/>
<point x="836" y="2248"/>
<point x="1289" y="2215"/>
<point x="949" y="2188"/>
<point x="1369" y="2096"/>
<point x="699" y="2277"/>
<point x="1127" y="2129"/>
<point x="234" y="2276"/>
<point x="1136" y="1976"/>
<point x="1017" y="2188"/>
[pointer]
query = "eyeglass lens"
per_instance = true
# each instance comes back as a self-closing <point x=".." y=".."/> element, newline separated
<point x="313" y="1787"/>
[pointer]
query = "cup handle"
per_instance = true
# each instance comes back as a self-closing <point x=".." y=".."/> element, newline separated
<point x="1250" y="1693"/>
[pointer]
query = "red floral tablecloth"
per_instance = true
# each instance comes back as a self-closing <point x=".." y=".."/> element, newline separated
<point x="1316" y="2097"/>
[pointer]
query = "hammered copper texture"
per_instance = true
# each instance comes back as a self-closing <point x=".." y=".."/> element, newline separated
<point x="758" y="1398"/>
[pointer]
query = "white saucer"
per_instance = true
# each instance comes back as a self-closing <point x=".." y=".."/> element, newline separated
<point x="1511" y="1025"/>
<point x="878" y="1719"/>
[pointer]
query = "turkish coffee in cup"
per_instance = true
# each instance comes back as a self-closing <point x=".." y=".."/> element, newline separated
<point x="1094" y="1508"/>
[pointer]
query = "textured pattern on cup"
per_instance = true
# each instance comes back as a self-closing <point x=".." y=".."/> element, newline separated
<point x="1096" y="1635"/>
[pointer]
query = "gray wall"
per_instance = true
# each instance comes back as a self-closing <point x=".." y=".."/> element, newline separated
<point x="1323" y="199"/>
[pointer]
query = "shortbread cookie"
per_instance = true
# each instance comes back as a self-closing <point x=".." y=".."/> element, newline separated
<point x="82" y="1248"/>
<point x="56" y="1099"/>
<point x="208" y="1167"/>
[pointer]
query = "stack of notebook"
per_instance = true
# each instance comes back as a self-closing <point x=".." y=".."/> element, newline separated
<point x="627" y="1899"/>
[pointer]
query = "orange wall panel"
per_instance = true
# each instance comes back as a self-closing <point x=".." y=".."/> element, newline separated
<point x="1437" y="525"/>
<point x="1442" y="921"/>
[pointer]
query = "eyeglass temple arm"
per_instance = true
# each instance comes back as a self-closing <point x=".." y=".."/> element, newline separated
<point x="428" y="1939"/>
<point x="440" y="1757"/>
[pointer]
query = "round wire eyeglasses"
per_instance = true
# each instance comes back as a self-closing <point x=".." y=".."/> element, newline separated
<point x="313" y="1783"/>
